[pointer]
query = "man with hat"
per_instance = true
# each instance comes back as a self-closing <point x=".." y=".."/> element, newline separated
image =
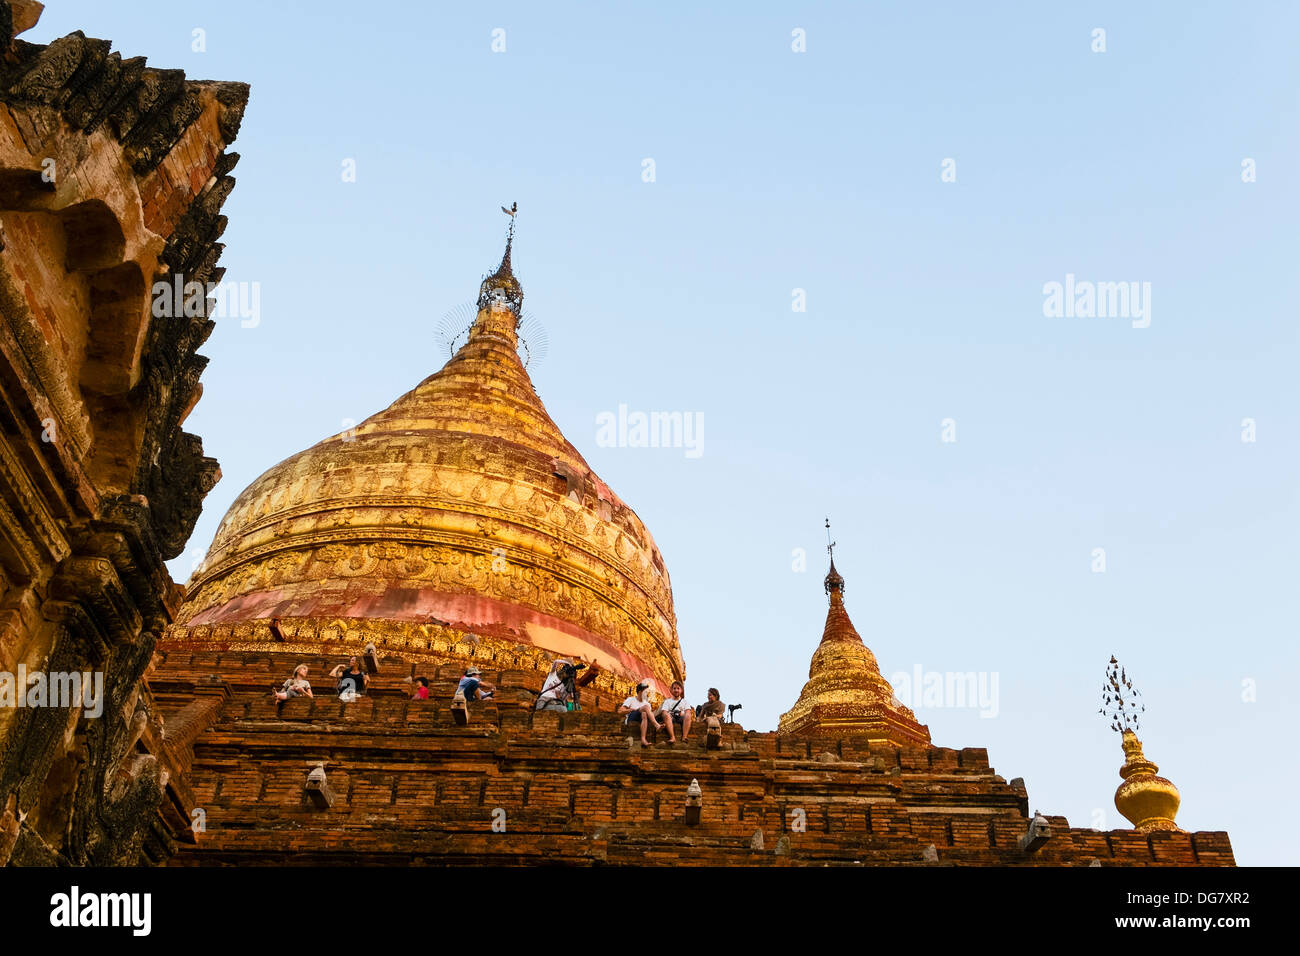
<point x="472" y="688"/>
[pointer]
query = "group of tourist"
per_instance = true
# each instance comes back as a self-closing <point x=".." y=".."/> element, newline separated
<point x="470" y="687"/>
<point x="674" y="711"/>
<point x="352" y="680"/>
<point x="559" y="692"/>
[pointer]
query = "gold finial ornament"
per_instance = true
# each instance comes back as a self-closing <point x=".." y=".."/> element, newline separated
<point x="501" y="290"/>
<point x="834" y="581"/>
<point x="1148" y="801"/>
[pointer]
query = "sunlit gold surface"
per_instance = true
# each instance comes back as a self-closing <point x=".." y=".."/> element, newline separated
<point x="845" y="693"/>
<point x="1147" y="801"/>
<point x="460" y="507"/>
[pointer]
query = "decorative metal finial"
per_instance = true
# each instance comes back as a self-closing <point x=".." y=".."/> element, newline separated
<point x="834" y="580"/>
<point x="502" y="286"/>
<point x="511" y="212"/>
<point x="504" y="268"/>
<point x="1122" y="702"/>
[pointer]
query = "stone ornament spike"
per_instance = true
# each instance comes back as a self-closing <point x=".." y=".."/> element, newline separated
<point x="712" y="733"/>
<point x="1036" y="834"/>
<point x="318" y="789"/>
<point x="694" y="803"/>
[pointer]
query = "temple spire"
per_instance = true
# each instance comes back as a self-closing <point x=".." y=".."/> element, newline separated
<point x="846" y="695"/>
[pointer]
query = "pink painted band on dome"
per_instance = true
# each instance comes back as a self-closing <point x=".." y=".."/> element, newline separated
<point x="474" y="613"/>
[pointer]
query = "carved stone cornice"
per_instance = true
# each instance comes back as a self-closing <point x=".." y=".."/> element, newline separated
<point x="30" y="523"/>
<point x="88" y="593"/>
<point x="38" y="368"/>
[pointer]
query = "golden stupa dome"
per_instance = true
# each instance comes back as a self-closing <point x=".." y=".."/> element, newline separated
<point x="459" y="520"/>
<point x="846" y="695"/>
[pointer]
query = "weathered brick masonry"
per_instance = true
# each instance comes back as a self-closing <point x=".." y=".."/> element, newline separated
<point x="413" y="788"/>
<point x="112" y="177"/>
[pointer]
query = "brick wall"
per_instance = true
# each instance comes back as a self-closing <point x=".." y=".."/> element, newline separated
<point x="412" y="787"/>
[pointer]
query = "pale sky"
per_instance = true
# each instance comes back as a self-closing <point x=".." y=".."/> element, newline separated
<point x="822" y="171"/>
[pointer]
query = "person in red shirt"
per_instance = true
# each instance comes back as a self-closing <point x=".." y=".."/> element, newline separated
<point x="422" y="689"/>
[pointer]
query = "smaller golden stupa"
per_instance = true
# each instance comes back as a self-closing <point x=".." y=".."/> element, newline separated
<point x="846" y="695"/>
<point x="1148" y="801"/>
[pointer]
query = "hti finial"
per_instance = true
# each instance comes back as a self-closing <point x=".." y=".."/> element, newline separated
<point x="502" y="286"/>
<point x="1122" y="702"/>
<point x="504" y="268"/>
<point x="1149" y="802"/>
<point x="834" y="580"/>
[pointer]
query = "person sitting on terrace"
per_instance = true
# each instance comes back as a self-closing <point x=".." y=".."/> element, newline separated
<point x="714" y="708"/>
<point x="295" y="686"/>
<point x="471" y="687"/>
<point x="675" y="710"/>
<point x="640" y="711"/>
<point x="352" y="679"/>
<point x="421" y="689"/>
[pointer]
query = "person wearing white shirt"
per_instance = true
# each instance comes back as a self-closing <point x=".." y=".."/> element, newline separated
<point x="675" y="710"/>
<point x="640" y="711"/>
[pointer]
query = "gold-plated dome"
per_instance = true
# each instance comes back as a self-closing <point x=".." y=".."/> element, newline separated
<point x="458" y="516"/>
<point x="846" y="694"/>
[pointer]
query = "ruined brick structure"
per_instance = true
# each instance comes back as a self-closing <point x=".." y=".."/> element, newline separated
<point x="458" y="526"/>
<point x="112" y="177"/>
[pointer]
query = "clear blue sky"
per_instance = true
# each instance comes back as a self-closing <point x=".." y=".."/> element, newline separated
<point x="821" y="171"/>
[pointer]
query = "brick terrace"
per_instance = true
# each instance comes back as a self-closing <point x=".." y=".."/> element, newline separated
<point x="412" y="788"/>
